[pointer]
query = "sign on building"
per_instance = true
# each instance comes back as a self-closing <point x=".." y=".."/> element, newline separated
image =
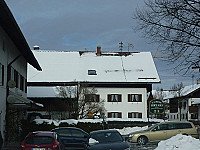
<point x="156" y="106"/>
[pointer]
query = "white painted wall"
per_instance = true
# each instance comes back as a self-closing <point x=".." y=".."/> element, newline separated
<point x="8" y="52"/>
<point x="124" y="106"/>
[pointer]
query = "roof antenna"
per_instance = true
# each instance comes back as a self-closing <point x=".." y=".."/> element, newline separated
<point x="121" y="46"/>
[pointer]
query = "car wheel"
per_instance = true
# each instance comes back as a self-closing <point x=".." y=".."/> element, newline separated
<point x="142" y="140"/>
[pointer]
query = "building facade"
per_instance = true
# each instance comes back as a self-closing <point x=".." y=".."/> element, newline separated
<point x="14" y="56"/>
<point x="184" y="104"/>
<point x="121" y="79"/>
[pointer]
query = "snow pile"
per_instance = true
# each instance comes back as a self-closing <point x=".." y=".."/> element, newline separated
<point x="127" y="130"/>
<point x="74" y="121"/>
<point x="48" y="121"/>
<point x="179" y="142"/>
<point x="93" y="141"/>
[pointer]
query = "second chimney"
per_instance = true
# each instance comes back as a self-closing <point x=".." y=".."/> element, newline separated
<point x="98" y="50"/>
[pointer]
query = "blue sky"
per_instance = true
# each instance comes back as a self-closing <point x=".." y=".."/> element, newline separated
<point x="74" y="25"/>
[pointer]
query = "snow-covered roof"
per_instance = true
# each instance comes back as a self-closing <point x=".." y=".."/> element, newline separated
<point x="69" y="66"/>
<point x="197" y="101"/>
<point x="44" y="92"/>
<point x="184" y="92"/>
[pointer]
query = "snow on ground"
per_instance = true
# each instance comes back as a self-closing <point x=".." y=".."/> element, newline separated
<point x="74" y="121"/>
<point x="179" y="142"/>
<point x="128" y="130"/>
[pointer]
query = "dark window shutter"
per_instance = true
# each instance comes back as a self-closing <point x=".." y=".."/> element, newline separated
<point x="119" y="98"/>
<point x="9" y="73"/>
<point x="140" y="98"/>
<point x="25" y="85"/>
<point x="129" y="97"/>
<point x="16" y="78"/>
<point x="119" y="115"/>
<point x="129" y="115"/>
<point x="2" y="74"/>
<point x="139" y="115"/>
<point x="97" y="98"/>
<point x="21" y="82"/>
<point x="109" y="98"/>
<point x="109" y="115"/>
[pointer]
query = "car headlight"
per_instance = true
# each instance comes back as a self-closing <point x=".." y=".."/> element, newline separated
<point x="131" y="135"/>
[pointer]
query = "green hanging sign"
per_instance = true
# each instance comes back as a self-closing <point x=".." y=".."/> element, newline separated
<point x="156" y="106"/>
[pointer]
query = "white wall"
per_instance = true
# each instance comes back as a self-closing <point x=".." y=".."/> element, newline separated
<point x="8" y="52"/>
<point x="125" y="106"/>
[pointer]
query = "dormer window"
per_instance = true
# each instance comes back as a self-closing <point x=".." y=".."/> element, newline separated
<point x="92" y="72"/>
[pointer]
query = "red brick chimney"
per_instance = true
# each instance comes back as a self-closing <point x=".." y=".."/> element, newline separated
<point x="98" y="50"/>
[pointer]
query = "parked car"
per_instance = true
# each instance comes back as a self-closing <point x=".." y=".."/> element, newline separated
<point x="40" y="140"/>
<point x="163" y="131"/>
<point x="107" y="140"/>
<point x="72" y="138"/>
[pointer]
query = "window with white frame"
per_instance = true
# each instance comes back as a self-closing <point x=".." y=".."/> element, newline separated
<point x="92" y="72"/>
<point x="92" y="97"/>
<point x="114" y="115"/>
<point x="134" y="115"/>
<point x="114" y="97"/>
<point x="134" y="97"/>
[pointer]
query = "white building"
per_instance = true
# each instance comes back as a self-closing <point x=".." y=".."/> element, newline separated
<point x="14" y="56"/>
<point x="122" y="79"/>
<point x="184" y="104"/>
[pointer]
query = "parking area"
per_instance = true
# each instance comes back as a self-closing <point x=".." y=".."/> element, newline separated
<point x="148" y="146"/>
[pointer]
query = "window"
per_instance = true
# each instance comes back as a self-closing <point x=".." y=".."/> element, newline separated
<point x="114" y="97"/>
<point x="114" y="115"/>
<point x="39" y="140"/>
<point x="185" y="125"/>
<point x="77" y="133"/>
<point x="1" y="75"/>
<point x="21" y="82"/>
<point x="194" y="116"/>
<point x="16" y="78"/>
<point x="134" y="97"/>
<point x="172" y="126"/>
<point x="162" y="127"/>
<point x="184" y="105"/>
<point x="92" y="72"/>
<point x="134" y="115"/>
<point x="92" y="97"/>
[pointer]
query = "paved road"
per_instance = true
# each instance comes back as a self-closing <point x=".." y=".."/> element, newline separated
<point x="148" y="146"/>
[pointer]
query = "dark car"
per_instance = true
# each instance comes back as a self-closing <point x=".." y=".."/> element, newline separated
<point x="72" y="138"/>
<point x="107" y="140"/>
<point x="41" y="140"/>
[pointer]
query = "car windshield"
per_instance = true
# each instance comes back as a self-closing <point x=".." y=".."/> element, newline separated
<point x="71" y="132"/>
<point x="151" y="127"/>
<point x="107" y="137"/>
<point x="63" y="132"/>
<point x="39" y="140"/>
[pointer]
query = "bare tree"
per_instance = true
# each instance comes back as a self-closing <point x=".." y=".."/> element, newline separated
<point x="85" y="100"/>
<point x="159" y="94"/>
<point x="175" y="24"/>
<point x="176" y="89"/>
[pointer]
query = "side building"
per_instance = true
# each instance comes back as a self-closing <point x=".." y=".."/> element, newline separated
<point x="184" y="105"/>
<point x="122" y="79"/>
<point x="14" y="56"/>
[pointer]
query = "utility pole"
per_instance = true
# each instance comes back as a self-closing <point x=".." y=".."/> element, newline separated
<point x="121" y="46"/>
